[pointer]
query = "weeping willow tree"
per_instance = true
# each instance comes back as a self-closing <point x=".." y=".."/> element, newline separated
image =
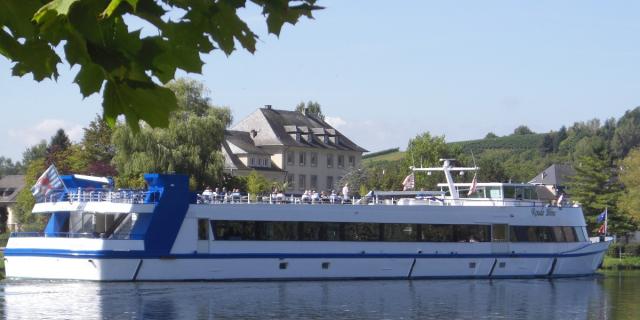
<point x="189" y="145"/>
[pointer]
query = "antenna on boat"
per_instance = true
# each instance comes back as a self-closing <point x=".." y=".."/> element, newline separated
<point x="474" y="160"/>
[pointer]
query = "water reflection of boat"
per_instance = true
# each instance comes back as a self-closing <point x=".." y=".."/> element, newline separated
<point x="583" y="298"/>
<point x="164" y="233"/>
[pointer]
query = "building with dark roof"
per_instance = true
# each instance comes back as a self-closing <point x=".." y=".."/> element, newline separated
<point x="554" y="178"/>
<point x="10" y="186"/>
<point x="296" y="147"/>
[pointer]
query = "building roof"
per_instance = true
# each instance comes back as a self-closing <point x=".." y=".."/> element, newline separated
<point x="556" y="174"/>
<point x="275" y="128"/>
<point x="240" y="142"/>
<point x="10" y="186"/>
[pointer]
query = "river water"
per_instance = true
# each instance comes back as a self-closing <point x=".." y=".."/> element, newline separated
<point x="612" y="295"/>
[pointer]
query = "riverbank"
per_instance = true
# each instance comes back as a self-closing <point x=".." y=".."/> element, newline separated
<point x="624" y="263"/>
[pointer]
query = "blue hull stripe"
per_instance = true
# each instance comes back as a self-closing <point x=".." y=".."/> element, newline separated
<point x="9" y="252"/>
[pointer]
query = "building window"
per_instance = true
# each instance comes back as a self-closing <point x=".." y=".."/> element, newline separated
<point x="340" y="161"/>
<point x="302" y="182"/>
<point x="329" y="183"/>
<point x="302" y="159"/>
<point x="352" y="161"/>
<point x="291" y="158"/>
<point x="329" y="161"/>
<point x="290" y="181"/>
<point x="314" y="159"/>
<point x="252" y="162"/>
<point x="313" y="182"/>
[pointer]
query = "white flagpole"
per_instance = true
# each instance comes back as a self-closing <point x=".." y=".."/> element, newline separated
<point x="606" y="225"/>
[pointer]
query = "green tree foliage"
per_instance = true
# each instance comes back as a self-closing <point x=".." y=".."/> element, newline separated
<point x="190" y="145"/>
<point x="522" y="130"/>
<point x="594" y="186"/>
<point x="119" y="61"/>
<point x="627" y="133"/>
<point x="257" y="184"/>
<point x="311" y="108"/>
<point x="425" y="150"/>
<point x="97" y="149"/>
<point x="37" y="151"/>
<point x="629" y="202"/>
<point x="25" y="201"/>
<point x="59" y="141"/>
<point x="358" y="179"/>
<point x="490" y="135"/>
<point x="7" y="167"/>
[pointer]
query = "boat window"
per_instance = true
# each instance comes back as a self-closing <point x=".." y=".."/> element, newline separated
<point x="436" y="233"/>
<point x="203" y="229"/>
<point x="389" y="232"/>
<point x="544" y="234"/>
<point x="580" y="234"/>
<point x="400" y="232"/>
<point x="569" y="234"/>
<point x="499" y="232"/>
<point x="509" y="192"/>
<point x="471" y="233"/>
<point x="494" y="192"/>
<point x="361" y="232"/>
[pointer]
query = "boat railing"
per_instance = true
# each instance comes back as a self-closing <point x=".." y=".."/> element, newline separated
<point x="428" y="201"/>
<point x="115" y="196"/>
<point x="87" y="235"/>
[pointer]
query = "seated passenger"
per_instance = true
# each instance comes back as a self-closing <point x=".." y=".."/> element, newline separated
<point x="207" y="194"/>
<point x="315" y="196"/>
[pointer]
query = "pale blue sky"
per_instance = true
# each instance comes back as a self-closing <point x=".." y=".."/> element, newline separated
<point x="385" y="71"/>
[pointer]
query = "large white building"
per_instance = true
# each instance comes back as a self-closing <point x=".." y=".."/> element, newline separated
<point x="290" y="146"/>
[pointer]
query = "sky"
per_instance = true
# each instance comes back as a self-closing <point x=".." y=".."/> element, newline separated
<point x="386" y="71"/>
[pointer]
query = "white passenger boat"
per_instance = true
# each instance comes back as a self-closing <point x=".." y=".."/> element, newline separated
<point x="166" y="233"/>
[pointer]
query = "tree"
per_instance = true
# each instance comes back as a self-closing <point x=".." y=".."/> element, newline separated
<point x="522" y="130"/>
<point x="190" y="145"/>
<point x="595" y="188"/>
<point x="126" y="66"/>
<point x="59" y="141"/>
<point x="25" y="200"/>
<point x="7" y="167"/>
<point x="425" y="150"/>
<point x="627" y="133"/>
<point x="257" y="183"/>
<point x="629" y="201"/>
<point x="97" y="149"/>
<point x="490" y="135"/>
<point x="37" y="151"/>
<point x="311" y="108"/>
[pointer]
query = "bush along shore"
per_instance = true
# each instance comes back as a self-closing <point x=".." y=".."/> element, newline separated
<point x="622" y="257"/>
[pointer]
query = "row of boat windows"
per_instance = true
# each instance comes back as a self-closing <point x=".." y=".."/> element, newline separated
<point x="389" y="232"/>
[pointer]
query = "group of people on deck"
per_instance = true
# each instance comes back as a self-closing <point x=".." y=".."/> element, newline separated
<point x="217" y="195"/>
<point x="309" y="196"/>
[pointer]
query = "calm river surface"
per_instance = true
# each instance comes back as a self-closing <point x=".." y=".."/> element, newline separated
<point x="614" y="295"/>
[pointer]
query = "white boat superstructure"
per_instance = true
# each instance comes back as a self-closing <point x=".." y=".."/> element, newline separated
<point x="167" y="233"/>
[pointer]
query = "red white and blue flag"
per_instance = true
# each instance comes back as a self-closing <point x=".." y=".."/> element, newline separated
<point x="474" y="185"/>
<point x="409" y="182"/>
<point x="49" y="180"/>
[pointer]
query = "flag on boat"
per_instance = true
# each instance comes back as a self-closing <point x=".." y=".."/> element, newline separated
<point x="603" y="229"/>
<point x="48" y="181"/>
<point x="474" y="185"/>
<point x="602" y="216"/>
<point x="409" y="182"/>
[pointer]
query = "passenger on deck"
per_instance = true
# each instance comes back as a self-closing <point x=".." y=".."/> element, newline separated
<point x="306" y="196"/>
<point x="345" y="192"/>
<point x="334" y="197"/>
<point x="207" y="194"/>
<point x="315" y="196"/>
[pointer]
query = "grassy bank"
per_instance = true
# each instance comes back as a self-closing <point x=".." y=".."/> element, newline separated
<point x="614" y="263"/>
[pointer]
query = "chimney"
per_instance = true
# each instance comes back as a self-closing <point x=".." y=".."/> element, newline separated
<point x="267" y="106"/>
